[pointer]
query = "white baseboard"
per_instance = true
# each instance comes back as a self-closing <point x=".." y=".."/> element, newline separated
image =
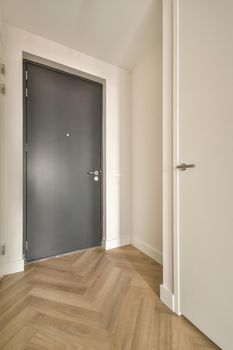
<point x="13" y="267"/>
<point x="115" y="243"/>
<point x="167" y="297"/>
<point x="148" y="250"/>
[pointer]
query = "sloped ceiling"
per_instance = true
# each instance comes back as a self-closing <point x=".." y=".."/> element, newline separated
<point x="116" y="31"/>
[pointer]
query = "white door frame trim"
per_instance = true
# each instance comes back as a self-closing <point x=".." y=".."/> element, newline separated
<point x="176" y="160"/>
<point x="170" y="290"/>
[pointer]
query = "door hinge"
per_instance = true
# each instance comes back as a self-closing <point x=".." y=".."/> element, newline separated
<point x="26" y="147"/>
<point x="26" y="246"/>
<point x="26" y="92"/>
<point x="3" y="89"/>
<point x="26" y="74"/>
<point x="2" y="69"/>
<point x="3" y="250"/>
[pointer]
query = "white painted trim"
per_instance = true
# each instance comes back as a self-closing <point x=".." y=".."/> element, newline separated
<point x="176" y="235"/>
<point x="115" y="243"/>
<point x="168" y="168"/>
<point x="167" y="297"/>
<point x="148" y="250"/>
<point x="171" y="254"/>
<point x="13" y="267"/>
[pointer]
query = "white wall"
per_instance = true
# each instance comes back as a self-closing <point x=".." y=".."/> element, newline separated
<point x="118" y="110"/>
<point x="147" y="154"/>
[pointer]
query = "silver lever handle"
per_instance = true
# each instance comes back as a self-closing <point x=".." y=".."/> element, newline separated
<point x="95" y="172"/>
<point x="184" y="166"/>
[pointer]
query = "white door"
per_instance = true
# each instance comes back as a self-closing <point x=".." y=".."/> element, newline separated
<point x="1" y="168"/>
<point x="205" y="138"/>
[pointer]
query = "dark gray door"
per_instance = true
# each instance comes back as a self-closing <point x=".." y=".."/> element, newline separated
<point x="63" y="136"/>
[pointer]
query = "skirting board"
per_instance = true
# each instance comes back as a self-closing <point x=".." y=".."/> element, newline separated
<point x="167" y="297"/>
<point x="13" y="267"/>
<point x="148" y="250"/>
<point x="115" y="243"/>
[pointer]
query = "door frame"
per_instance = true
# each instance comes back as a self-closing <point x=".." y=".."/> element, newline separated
<point x="176" y="160"/>
<point x="170" y="289"/>
<point x="43" y="62"/>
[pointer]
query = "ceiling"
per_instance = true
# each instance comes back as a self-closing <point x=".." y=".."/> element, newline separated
<point x="116" y="31"/>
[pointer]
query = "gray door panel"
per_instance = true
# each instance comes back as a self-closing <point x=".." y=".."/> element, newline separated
<point x="63" y="122"/>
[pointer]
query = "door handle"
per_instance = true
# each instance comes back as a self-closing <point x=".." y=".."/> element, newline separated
<point x="184" y="166"/>
<point x="95" y="172"/>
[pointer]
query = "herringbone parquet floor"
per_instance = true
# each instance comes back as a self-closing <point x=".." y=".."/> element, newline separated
<point x="92" y="300"/>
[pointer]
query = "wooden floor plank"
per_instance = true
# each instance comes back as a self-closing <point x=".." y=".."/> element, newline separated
<point x="19" y="341"/>
<point x="92" y="300"/>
